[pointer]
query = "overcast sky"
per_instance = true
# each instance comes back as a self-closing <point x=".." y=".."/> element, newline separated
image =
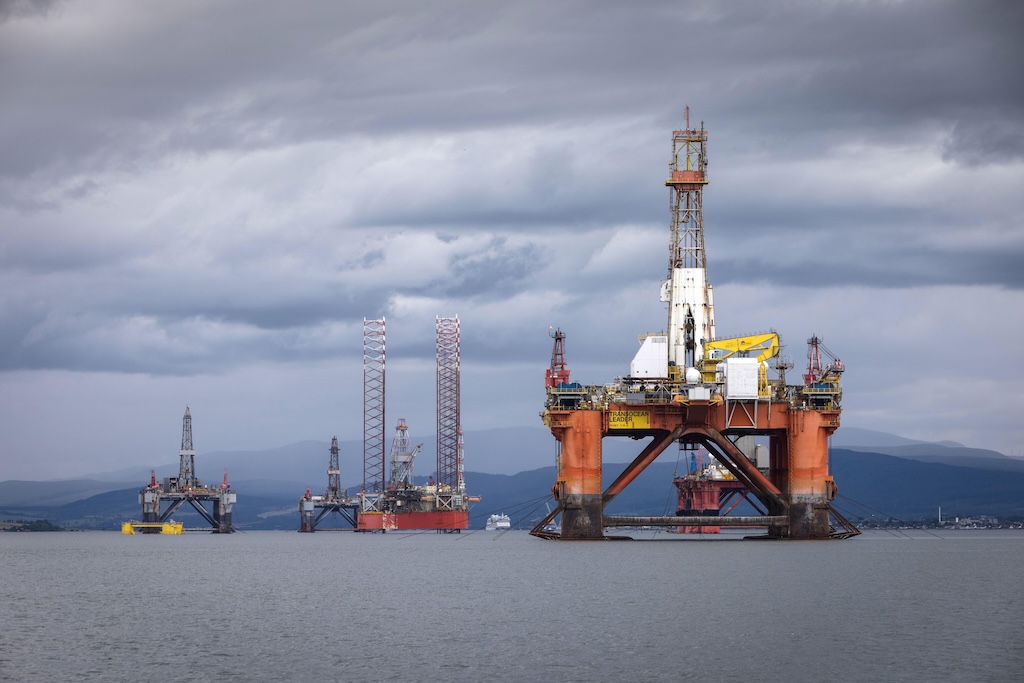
<point x="201" y="201"/>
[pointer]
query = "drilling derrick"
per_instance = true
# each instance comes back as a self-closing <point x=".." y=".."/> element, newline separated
<point x="373" y="414"/>
<point x="186" y="456"/>
<point x="334" y="472"/>
<point x="185" y="488"/>
<point x="690" y="307"/>
<point x="402" y="458"/>
<point x="688" y="388"/>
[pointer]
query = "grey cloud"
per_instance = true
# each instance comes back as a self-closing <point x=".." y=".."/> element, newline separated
<point x="897" y="269"/>
<point x="335" y="69"/>
<point x="188" y="190"/>
<point x="986" y="141"/>
<point x="94" y="342"/>
<point x="493" y="272"/>
<point x="18" y="9"/>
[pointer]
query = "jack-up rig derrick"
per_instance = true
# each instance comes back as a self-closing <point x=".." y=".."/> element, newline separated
<point x="688" y="388"/>
<point x="313" y="509"/>
<point x="402" y="457"/>
<point x="186" y="488"/>
<point x="373" y="416"/>
<point x="400" y="503"/>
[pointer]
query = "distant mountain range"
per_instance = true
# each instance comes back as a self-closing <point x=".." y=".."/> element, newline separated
<point x="879" y="475"/>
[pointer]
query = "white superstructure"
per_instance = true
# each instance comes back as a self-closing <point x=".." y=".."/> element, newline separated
<point x="498" y="523"/>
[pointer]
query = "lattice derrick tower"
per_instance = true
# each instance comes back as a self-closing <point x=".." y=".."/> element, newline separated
<point x="334" y="472"/>
<point x="687" y="178"/>
<point x="187" y="455"/>
<point x="373" y="404"/>
<point x="691" y="309"/>
<point x="402" y="456"/>
<point x="448" y="407"/>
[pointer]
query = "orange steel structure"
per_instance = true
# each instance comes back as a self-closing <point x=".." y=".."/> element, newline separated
<point x="678" y="394"/>
<point x="705" y="496"/>
<point x="709" y="491"/>
<point x="796" y="493"/>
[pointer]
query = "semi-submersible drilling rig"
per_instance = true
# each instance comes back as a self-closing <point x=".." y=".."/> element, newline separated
<point x="185" y="488"/>
<point x="687" y="387"/>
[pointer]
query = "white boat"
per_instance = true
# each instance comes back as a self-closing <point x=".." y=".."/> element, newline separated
<point x="498" y="523"/>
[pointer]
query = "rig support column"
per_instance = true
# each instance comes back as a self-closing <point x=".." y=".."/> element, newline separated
<point x="579" y="488"/>
<point x="807" y="486"/>
<point x="307" y="512"/>
<point x="150" y="499"/>
<point x="222" y="508"/>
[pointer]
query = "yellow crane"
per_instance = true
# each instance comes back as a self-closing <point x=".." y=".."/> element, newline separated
<point x="760" y="346"/>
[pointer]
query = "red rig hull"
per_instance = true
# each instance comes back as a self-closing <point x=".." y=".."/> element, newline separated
<point x="441" y="520"/>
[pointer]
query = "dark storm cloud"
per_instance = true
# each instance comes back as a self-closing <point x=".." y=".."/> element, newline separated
<point x="493" y="271"/>
<point x="176" y="82"/>
<point x="785" y="80"/>
<point x="993" y="141"/>
<point x="157" y="325"/>
<point x="210" y="197"/>
<point x="93" y="342"/>
<point x="899" y="269"/>
<point x="25" y="8"/>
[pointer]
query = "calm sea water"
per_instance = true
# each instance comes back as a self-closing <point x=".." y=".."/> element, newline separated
<point x="276" y="606"/>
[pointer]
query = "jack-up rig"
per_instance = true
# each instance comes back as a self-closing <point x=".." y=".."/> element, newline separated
<point x="687" y="387"/>
<point x="398" y="503"/>
<point x="185" y="488"/>
<point x="313" y="509"/>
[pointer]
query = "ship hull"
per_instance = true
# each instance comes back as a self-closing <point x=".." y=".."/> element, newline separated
<point x="442" y="520"/>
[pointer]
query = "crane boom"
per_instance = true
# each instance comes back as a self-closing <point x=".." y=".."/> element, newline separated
<point x="762" y="347"/>
<point x="767" y="346"/>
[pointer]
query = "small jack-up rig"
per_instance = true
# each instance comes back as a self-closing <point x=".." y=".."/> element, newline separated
<point x="689" y="388"/>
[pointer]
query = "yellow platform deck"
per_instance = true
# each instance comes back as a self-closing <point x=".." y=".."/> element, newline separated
<point x="172" y="528"/>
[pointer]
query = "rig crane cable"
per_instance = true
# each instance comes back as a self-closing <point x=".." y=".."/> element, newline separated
<point x="517" y="507"/>
<point x="675" y="475"/>
<point x="543" y="500"/>
<point x="875" y="513"/>
<point x="860" y="512"/>
<point x="672" y="492"/>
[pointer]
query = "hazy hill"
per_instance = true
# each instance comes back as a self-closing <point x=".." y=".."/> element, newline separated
<point x="910" y="489"/>
<point x="959" y="456"/>
<point x="497" y="451"/>
<point x="871" y="485"/>
<point x="16" y="492"/>
<point x="858" y="437"/>
<point x="512" y="470"/>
